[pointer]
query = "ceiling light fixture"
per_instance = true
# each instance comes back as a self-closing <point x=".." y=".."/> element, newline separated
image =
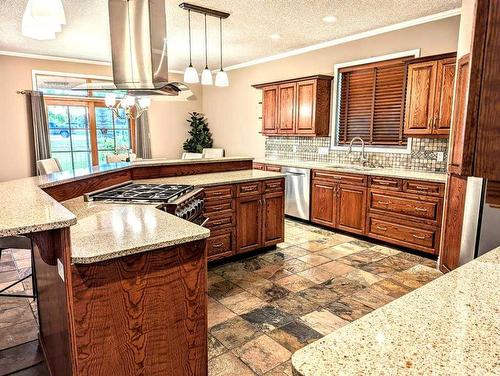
<point x="221" y="79"/>
<point x="42" y="19"/>
<point x="190" y="74"/>
<point x="275" y="36"/>
<point x="330" y="19"/>
<point x="206" y="75"/>
<point x="133" y="107"/>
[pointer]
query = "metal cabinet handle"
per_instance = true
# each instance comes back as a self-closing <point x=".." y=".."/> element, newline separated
<point x="418" y="237"/>
<point x="382" y="182"/>
<point x="381" y="228"/>
<point x="218" y="245"/>
<point x="421" y="209"/>
<point x="422" y="188"/>
<point x="218" y="223"/>
<point x="383" y="202"/>
<point x="247" y="189"/>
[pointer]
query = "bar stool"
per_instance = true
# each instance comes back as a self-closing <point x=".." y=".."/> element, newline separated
<point x="19" y="242"/>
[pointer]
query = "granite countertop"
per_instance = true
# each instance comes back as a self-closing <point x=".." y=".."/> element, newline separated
<point x="450" y="326"/>
<point x="109" y="230"/>
<point x="217" y="178"/>
<point x="26" y="208"/>
<point x="338" y="167"/>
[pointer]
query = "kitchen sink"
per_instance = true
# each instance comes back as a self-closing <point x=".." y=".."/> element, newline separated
<point x="350" y="167"/>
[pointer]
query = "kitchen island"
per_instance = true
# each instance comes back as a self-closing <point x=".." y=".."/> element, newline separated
<point x="121" y="287"/>
<point x="450" y="326"/>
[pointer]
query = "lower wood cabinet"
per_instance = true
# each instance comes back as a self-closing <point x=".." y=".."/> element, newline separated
<point x="399" y="211"/>
<point x="351" y="208"/>
<point x="339" y="205"/>
<point x="244" y="217"/>
<point x="249" y="225"/>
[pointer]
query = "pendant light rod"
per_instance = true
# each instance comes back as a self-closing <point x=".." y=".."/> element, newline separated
<point x="203" y="10"/>
<point x="220" y="38"/>
<point x="206" y="44"/>
<point x="189" y="23"/>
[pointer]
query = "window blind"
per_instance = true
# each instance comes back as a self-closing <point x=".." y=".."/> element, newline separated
<point x="372" y="103"/>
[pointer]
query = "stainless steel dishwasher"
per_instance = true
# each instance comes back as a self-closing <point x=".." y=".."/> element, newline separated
<point x="297" y="191"/>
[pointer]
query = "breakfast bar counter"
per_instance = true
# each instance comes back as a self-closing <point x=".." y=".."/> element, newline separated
<point x="450" y="326"/>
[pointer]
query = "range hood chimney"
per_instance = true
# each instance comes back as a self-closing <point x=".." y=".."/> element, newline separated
<point x="138" y="33"/>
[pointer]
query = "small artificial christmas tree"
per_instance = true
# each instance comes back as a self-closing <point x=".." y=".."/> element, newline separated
<point x="200" y="134"/>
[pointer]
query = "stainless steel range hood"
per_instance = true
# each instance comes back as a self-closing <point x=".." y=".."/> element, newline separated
<point x="139" y="50"/>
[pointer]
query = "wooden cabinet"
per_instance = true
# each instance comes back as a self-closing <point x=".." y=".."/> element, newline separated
<point x="323" y="203"/>
<point x="273" y="208"/>
<point x="260" y="216"/>
<point x="249" y="226"/>
<point x="351" y="207"/>
<point x="296" y="107"/>
<point x="270" y="109"/>
<point x="337" y="204"/>
<point x="399" y="211"/>
<point x="429" y="95"/>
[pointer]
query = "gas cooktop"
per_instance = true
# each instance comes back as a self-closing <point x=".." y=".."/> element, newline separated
<point x="132" y="192"/>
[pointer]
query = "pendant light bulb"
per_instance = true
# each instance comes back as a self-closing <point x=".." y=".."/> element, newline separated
<point x="221" y="79"/>
<point x="206" y="75"/>
<point x="190" y="74"/>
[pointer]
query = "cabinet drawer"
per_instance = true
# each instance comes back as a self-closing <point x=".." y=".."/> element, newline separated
<point x="335" y="177"/>
<point x="217" y="207"/>
<point x="401" y="205"/>
<point x="219" y="192"/>
<point x="258" y="166"/>
<point x="407" y="235"/>
<point x="393" y="184"/>
<point x="216" y="222"/>
<point x="274" y="185"/>
<point x="273" y="168"/>
<point x="423" y="187"/>
<point x="247" y="189"/>
<point x="220" y="244"/>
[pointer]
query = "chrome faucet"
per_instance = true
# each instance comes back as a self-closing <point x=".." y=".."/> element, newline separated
<point x="363" y="159"/>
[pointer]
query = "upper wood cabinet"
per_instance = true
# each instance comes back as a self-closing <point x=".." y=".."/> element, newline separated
<point x="429" y="95"/>
<point x="296" y="107"/>
<point x="270" y="109"/>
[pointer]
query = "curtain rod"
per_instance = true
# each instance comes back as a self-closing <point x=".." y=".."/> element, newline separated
<point x="24" y="91"/>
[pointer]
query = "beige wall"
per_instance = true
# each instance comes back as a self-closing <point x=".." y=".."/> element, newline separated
<point x="167" y="119"/>
<point x="233" y="112"/>
<point x="466" y="27"/>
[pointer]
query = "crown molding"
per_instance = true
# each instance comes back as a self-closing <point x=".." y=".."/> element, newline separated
<point x="350" y="38"/>
<point x="65" y="59"/>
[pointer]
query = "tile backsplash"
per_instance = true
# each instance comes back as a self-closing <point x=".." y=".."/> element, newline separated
<point x="423" y="156"/>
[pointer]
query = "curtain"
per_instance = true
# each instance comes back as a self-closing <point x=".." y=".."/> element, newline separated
<point x="39" y="125"/>
<point x="143" y="141"/>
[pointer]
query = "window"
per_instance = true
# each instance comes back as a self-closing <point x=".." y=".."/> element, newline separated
<point x="82" y="130"/>
<point x="371" y="103"/>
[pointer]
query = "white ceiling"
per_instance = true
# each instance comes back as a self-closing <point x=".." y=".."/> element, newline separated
<point x="246" y="31"/>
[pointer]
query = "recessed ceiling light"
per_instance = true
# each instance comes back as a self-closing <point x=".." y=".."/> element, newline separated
<point x="330" y="19"/>
<point x="275" y="36"/>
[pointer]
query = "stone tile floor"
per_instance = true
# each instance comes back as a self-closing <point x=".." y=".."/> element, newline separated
<point x="263" y="307"/>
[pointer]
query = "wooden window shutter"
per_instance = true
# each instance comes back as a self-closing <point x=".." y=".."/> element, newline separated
<point x="372" y="103"/>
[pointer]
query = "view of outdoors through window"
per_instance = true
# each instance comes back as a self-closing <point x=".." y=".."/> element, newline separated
<point x="82" y="130"/>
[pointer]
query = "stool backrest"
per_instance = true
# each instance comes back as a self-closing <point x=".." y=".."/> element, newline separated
<point x="48" y="166"/>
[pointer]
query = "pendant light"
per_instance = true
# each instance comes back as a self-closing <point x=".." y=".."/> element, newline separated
<point x="190" y="74"/>
<point x="42" y="19"/>
<point x="221" y="79"/>
<point x="206" y="75"/>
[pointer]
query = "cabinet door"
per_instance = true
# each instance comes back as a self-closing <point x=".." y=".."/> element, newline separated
<point x="444" y="96"/>
<point x="351" y="203"/>
<point x="460" y="160"/>
<point x="273" y="225"/>
<point x="420" y="96"/>
<point x="323" y="203"/>
<point x="286" y="105"/>
<point x="306" y="107"/>
<point x="249" y="223"/>
<point x="270" y="110"/>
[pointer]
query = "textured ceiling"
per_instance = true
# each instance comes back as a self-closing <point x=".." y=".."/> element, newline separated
<point x="246" y="31"/>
